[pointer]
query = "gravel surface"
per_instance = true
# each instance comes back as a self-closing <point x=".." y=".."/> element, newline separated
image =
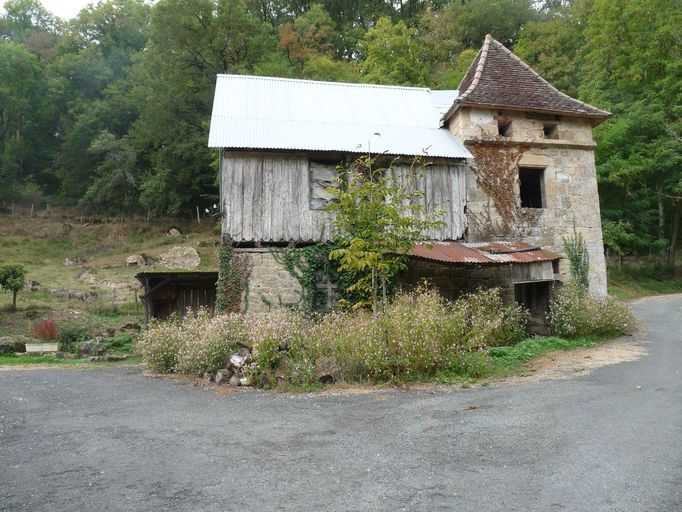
<point x="113" y="440"/>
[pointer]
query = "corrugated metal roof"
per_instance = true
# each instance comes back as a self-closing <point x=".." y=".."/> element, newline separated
<point x="277" y="113"/>
<point x="500" y="252"/>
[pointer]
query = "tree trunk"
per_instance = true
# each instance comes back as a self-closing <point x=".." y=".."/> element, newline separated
<point x="673" y="235"/>
<point x="14" y="301"/>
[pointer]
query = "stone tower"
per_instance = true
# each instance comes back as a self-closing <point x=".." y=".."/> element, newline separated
<point x="547" y="183"/>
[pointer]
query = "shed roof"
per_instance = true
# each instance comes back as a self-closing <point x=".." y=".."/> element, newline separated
<point x="497" y="78"/>
<point x="254" y="112"/>
<point x="483" y="253"/>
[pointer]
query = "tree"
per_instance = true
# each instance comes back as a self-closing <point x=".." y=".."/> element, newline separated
<point x="114" y="190"/>
<point x="378" y="220"/>
<point x="12" y="279"/>
<point x="393" y="55"/>
<point x="632" y="65"/>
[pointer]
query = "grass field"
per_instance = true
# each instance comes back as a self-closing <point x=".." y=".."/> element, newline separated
<point x="640" y="280"/>
<point x="100" y="275"/>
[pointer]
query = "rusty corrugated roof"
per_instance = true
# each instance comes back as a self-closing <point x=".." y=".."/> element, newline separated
<point x="484" y="254"/>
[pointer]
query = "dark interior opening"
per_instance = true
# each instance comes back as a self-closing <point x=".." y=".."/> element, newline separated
<point x="530" y="181"/>
<point x="551" y="130"/>
<point x="533" y="296"/>
<point x="504" y="127"/>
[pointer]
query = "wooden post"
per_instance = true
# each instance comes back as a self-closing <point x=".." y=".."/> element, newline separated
<point x="198" y="216"/>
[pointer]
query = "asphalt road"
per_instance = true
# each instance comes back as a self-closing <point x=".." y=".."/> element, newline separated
<point x="113" y="439"/>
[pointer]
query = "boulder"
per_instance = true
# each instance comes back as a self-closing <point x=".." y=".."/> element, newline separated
<point x="136" y="259"/>
<point x="327" y="370"/>
<point x="93" y="347"/>
<point x="180" y="256"/>
<point x="65" y="355"/>
<point x="237" y="360"/>
<point x="208" y="377"/>
<point x="244" y="381"/>
<point x="69" y="262"/>
<point x="234" y="381"/>
<point x="223" y="376"/>
<point x="174" y="232"/>
<point x="12" y="344"/>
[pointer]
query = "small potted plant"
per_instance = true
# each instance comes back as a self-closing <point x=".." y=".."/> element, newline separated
<point x="46" y="331"/>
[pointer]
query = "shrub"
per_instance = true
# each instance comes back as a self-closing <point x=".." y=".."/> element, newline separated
<point x="490" y="322"/>
<point x="574" y="312"/>
<point x="70" y="337"/>
<point x="417" y="333"/>
<point x="423" y="332"/>
<point x="120" y="342"/>
<point x="46" y="330"/>
<point x="159" y="345"/>
<point x="271" y="333"/>
<point x="206" y="342"/>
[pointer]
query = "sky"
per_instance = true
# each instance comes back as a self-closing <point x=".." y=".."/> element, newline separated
<point x="65" y="8"/>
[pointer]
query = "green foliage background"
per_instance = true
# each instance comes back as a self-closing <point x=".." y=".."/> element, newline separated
<point x="109" y="111"/>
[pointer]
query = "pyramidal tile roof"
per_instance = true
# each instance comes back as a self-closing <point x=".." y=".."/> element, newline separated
<point x="497" y="78"/>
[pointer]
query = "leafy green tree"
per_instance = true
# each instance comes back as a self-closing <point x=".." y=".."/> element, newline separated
<point x="393" y="55"/>
<point x="632" y="65"/>
<point x="114" y="189"/>
<point x="308" y="37"/>
<point x="12" y="278"/>
<point x="378" y="220"/>
<point x="25" y="129"/>
<point x="173" y="84"/>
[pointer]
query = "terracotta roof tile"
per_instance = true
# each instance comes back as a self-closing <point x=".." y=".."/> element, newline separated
<point x="498" y="78"/>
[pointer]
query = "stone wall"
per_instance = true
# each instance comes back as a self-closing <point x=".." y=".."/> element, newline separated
<point x="270" y="285"/>
<point x="570" y="185"/>
<point x="452" y="281"/>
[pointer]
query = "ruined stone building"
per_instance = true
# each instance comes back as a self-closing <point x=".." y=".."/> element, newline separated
<point x="512" y="166"/>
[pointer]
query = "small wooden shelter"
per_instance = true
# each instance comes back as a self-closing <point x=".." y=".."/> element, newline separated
<point x="168" y="292"/>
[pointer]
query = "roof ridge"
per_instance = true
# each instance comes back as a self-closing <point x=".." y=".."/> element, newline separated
<point x="326" y="82"/>
<point x="515" y="57"/>
<point x="483" y="52"/>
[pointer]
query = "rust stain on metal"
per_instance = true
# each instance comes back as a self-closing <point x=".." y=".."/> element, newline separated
<point x="483" y="254"/>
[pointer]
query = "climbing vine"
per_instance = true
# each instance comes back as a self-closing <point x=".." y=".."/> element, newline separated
<point x="310" y="266"/>
<point x="233" y="276"/>
<point x="496" y="171"/>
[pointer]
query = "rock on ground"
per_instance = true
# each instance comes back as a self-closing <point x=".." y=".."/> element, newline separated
<point x="327" y="370"/>
<point x="223" y="376"/>
<point x="180" y="256"/>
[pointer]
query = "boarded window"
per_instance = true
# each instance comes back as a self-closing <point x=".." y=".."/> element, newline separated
<point x="321" y="176"/>
<point x="531" y="187"/>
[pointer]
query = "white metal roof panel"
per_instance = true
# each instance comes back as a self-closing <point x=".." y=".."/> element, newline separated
<point x="277" y="113"/>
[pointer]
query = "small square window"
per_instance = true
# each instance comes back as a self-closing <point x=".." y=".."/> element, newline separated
<point x="550" y="130"/>
<point x="504" y="128"/>
<point x="531" y="187"/>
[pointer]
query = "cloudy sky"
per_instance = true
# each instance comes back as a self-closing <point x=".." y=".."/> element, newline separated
<point x="65" y="8"/>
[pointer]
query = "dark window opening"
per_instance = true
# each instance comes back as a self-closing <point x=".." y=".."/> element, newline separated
<point x="531" y="187"/>
<point x="551" y="130"/>
<point x="504" y="128"/>
<point x="533" y="296"/>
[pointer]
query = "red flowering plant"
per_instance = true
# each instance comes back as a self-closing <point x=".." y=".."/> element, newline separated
<point x="46" y="330"/>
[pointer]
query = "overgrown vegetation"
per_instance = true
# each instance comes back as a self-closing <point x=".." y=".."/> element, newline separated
<point x="378" y="218"/>
<point x="233" y="276"/>
<point x="578" y="257"/>
<point x="416" y="333"/>
<point x="574" y="312"/>
<point x="418" y="336"/>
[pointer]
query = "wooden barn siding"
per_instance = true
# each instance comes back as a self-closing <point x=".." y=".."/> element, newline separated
<point x="266" y="197"/>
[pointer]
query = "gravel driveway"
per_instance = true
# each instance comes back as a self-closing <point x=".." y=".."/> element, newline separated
<point x="114" y="440"/>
